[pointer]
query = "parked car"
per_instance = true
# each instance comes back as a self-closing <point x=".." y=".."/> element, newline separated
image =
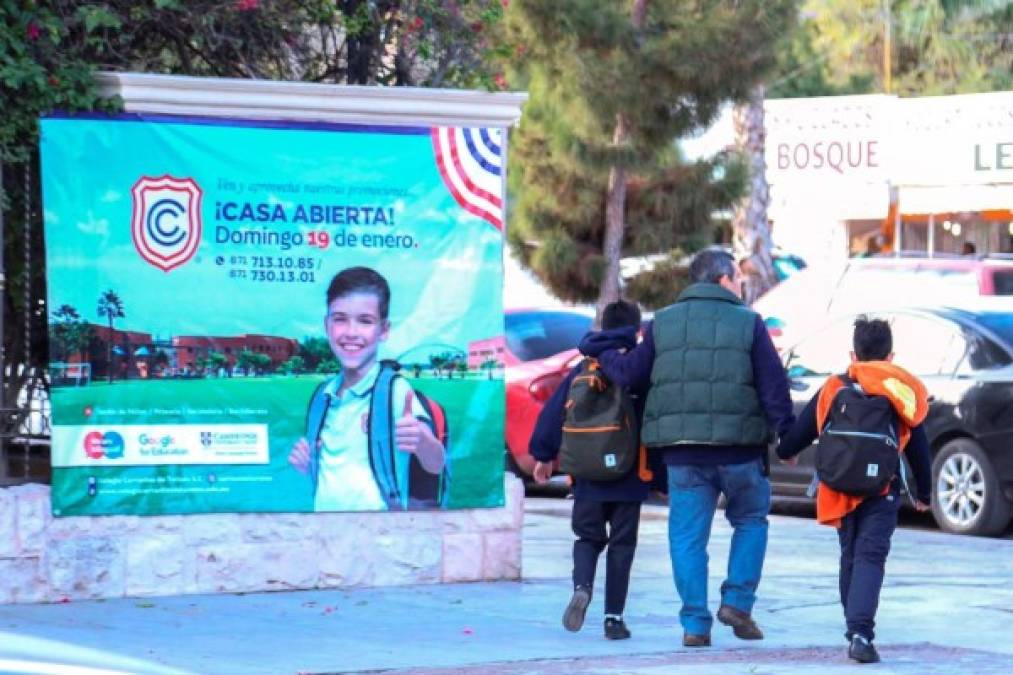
<point x="804" y="301"/>
<point x="541" y="348"/>
<point x="965" y="359"/>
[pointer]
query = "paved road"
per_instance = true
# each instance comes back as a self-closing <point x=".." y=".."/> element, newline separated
<point x="946" y="608"/>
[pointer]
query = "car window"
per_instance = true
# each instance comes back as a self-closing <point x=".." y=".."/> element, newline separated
<point x="926" y="346"/>
<point x="539" y="335"/>
<point x="982" y="354"/>
<point x="823" y="353"/>
<point x="1003" y="282"/>
<point x="1000" y="323"/>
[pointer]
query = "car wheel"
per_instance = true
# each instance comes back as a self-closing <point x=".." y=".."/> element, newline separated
<point x="511" y="466"/>
<point x="966" y="498"/>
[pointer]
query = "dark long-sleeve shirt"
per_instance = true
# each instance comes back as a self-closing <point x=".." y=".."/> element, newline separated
<point x="633" y="370"/>
<point x="805" y="431"/>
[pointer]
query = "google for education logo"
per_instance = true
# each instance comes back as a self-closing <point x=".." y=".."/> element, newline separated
<point x="98" y="445"/>
<point x="164" y="441"/>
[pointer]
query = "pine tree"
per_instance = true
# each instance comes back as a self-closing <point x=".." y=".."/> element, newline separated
<point x="612" y="86"/>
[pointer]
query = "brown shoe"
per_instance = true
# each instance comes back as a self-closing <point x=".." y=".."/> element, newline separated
<point x="573" y="617"/>
<point x="742" y="624"/>
<point x="695" y="640"/>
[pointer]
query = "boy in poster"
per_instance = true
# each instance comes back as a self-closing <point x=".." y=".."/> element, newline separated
<point x="357" y="458"/>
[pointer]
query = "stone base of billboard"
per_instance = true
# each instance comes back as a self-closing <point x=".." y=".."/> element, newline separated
<point x="46" y="559"/>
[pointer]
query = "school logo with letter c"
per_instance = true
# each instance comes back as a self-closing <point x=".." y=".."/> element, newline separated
<point x="166" y="222"/>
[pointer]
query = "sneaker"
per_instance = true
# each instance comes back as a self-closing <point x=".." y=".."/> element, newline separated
<point x="862" y="650"/>
<point x="742" y="624"/>
<point x="696" y="640"/>
<point x="573" y="617"/>
<point x="615" y="629"/>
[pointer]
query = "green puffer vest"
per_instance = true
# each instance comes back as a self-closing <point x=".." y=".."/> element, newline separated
<point x="702" y="389"/>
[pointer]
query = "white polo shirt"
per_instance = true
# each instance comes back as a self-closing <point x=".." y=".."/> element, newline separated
<point x="345" y="480"/>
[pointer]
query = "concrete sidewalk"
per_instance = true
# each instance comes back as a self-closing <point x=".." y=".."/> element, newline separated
<point x="946" y="608"/>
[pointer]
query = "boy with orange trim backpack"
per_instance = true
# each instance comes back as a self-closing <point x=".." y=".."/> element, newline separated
<point x="864" y="420"/>
<point x="592" y="426"/>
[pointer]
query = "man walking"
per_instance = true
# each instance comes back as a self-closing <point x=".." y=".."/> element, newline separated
<point x="716" y="396"/>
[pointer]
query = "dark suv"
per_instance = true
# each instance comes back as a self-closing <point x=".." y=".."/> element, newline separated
<point x="965" y="359"/>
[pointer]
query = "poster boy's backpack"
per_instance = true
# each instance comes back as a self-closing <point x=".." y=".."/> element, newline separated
<point x="858" y="453"/>
<point x="403" y="483"/>
<point x="600" y="435"/>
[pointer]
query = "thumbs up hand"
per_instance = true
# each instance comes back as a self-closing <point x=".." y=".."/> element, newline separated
<point x="414" y="436"/>
<point x="408" y="430"/>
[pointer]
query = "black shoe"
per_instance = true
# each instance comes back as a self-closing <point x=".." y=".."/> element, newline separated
<point x="742" y="624"/>
<point x="862" y="650"/>
<point x="615" y="629"/>
<point x="573" y="617"/>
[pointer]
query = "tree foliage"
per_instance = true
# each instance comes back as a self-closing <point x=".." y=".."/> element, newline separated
<point x="938" y="47"/>
<point x="293" y="366"/>
<point x="584" y="63"/>
<point x="70" y="333"/>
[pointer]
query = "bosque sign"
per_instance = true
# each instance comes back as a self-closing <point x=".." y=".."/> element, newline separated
<point x="839" y="138"/>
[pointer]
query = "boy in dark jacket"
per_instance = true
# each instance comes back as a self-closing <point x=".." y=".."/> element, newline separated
<point x="597" y="503"/>
<point x="866" y="524"/>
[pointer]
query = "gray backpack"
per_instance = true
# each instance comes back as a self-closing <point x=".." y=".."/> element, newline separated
<point x="600" y="436"/>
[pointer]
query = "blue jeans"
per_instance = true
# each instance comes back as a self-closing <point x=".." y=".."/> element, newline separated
<point x="693" y="496"/>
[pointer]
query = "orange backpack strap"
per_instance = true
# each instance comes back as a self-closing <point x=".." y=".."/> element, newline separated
<point x="643" y="469"/>
<point x="827" y="394"/>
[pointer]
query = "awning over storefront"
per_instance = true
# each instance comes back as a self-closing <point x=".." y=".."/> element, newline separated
<point x="994" y="202"/>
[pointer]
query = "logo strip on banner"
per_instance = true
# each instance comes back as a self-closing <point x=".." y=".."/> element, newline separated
<point x="166" y="444"/>
<point x="470" y="162"/>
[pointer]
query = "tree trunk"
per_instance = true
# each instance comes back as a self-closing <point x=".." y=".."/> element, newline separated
<point x="615" y="207"/>
<point x="615" y="201"/>
<point x="109" y="351"/>
<point x="750" y="228"/>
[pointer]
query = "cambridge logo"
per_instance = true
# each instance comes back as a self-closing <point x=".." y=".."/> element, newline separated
<point x="166" y="220"/>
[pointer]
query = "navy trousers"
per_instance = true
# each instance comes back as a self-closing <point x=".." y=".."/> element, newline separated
<point x="865" y="542"/>
<point x="589" y="521"/>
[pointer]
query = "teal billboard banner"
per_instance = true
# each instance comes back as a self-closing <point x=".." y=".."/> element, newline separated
<point x="253" y="316"/>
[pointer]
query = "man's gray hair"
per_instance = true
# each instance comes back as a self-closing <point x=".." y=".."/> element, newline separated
<point x="710" y="264"/>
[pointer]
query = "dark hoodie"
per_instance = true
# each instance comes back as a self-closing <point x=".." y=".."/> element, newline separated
<point x="548" y="434"/>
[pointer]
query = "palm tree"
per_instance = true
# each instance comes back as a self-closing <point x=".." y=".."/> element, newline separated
<point x="750" y="227"/>
<point x="110" y="306"/>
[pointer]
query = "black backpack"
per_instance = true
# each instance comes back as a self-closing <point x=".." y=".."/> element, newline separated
<point x="858" y="453"/>
<point x="600" y="435"/>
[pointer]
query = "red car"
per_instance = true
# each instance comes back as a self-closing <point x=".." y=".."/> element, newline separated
<point x="541" y="348"/>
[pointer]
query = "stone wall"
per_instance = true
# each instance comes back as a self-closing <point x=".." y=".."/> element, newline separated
<point x="46" y="559"/>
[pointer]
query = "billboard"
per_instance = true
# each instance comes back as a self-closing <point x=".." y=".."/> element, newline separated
<point x="252" y="316"/>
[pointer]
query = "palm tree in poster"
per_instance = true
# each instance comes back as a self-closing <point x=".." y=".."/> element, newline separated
<point x="111" y="307"/>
